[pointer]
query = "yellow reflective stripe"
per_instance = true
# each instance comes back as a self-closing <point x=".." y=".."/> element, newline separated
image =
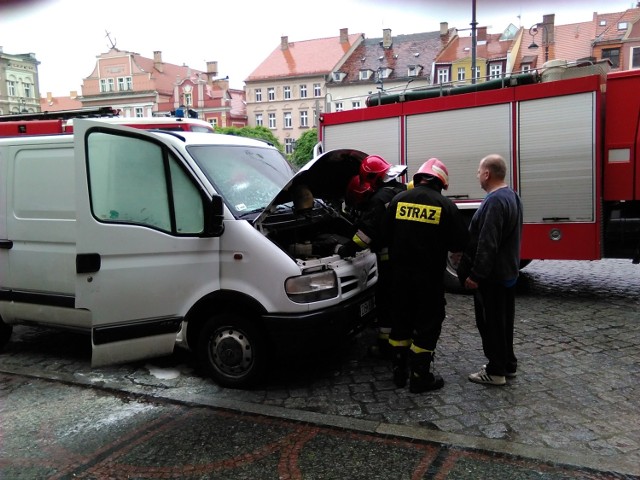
<point x="383" y="336"/>
<point x="417" y="212"/>
<point x="384" y="257"/>
<point x="361" y="239"/>
<point x="415" y="349"/>
<point x="400" y="343"/>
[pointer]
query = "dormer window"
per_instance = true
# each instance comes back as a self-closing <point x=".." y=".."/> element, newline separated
<point x="365" y="74"/>
<point x="603" y="23"/>
<point x="384" y="72"/>
<point x="338" y="76"/>
<point x="414" y="70"/>
<point x="623" y="25"/>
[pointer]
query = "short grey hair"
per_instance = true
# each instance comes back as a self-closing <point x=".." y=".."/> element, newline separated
<point x="496" y="165"/>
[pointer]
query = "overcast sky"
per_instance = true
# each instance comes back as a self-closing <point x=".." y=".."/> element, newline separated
<point x="67" y="35"/>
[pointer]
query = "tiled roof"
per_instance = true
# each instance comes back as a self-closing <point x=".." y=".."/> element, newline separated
<point x="56" y="104"/>
<point x="418" y="49"/>
<point x="571" y="41"/>
<point x="306" y="57"/>
<point x="165" y="80"/>
<point x="609" y="30"/>
<point x="460" y="47"/>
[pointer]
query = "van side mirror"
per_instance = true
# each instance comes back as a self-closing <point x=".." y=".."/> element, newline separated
<point x="215" y="217"/>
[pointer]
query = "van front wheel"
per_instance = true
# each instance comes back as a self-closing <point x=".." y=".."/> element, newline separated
<point x="232" y="351"/>
<point x="5" y="333"/>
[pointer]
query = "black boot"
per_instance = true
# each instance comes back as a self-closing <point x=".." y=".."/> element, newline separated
<point x="382" y="349"/>
<point x="400" y="366"/>
<point x="421" y="379"/>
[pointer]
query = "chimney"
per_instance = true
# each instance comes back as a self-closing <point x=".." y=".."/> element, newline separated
<point x="386" y="38"/>
<point x="482" y="35"/>
<point x="548" y="21"/>
<point x="344" y="35"/>
<point x="157" y="60"/>
<point x="49" y="98"/>
<point x="444" y="28"/>
<point x="284" y="43"/>
<point x="212" y="70"/>
<point x="73" y="94"/>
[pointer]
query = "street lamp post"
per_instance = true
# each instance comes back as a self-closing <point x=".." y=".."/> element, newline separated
<point x="533" y="31"/>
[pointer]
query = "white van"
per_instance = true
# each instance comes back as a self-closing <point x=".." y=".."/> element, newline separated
<point x="148" y="239"/>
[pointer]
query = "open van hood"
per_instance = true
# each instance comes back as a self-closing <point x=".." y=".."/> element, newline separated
<point x="325" y="176"/>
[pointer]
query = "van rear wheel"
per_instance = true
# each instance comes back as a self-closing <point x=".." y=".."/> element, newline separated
<point x="232" y="351"/>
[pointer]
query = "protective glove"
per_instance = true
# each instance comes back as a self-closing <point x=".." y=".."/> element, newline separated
<point x="349" y="249"/>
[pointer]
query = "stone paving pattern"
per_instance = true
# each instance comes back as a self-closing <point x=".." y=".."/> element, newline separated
<point x="577" y="341"/>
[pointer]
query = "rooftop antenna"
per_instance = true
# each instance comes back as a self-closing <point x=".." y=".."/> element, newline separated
<point x="112" y="42"/>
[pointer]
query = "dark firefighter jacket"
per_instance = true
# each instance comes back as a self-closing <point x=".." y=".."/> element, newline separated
<point x="421" y="226"/>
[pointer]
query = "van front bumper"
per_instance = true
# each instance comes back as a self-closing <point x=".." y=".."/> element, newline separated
<point x="321" y="328"/>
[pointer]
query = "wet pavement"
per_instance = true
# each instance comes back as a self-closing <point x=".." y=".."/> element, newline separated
<point x="572" y="412"/>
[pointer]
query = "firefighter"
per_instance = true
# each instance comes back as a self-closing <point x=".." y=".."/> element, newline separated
<point x="422" y="225"/>
<point x="368" y="195"/>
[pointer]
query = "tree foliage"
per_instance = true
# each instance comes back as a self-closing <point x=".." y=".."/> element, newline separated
<point x="304" y="147"/>
<point x="260" y="133"/>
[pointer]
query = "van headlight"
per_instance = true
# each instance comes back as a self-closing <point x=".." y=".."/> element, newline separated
<point x="312" y="287"/>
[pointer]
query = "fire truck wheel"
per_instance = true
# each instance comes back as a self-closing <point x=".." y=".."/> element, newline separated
<point x="232" y="350"/>
<point x="451" y="282"/>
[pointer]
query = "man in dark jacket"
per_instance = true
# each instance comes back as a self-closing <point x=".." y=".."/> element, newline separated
<point x="423" y="226"/>
<point x="368" y="196"/>
<point x="496" y="232"/>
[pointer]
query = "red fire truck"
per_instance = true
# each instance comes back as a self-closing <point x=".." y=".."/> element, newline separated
<point x="570" y="136"/>
<point x="47" y="123"/>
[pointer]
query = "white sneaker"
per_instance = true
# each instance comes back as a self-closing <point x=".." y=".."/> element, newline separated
<point x="508" y="374"/>
<point x="483" y="377"/>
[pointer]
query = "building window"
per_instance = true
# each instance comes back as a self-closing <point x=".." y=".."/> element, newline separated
<point x="477" y="75"/>
<point x="495" y="70"/>
<point x="304" y="118"/>
<point x="289" y="144"/>
<point x="462" y="74"/>
<point x="287" y="92"/>
<point x="339" y="107"/>
<point x="613" y="54"/>
<point x="27" y="90"/>
<point x="623" y="25"/>
<point x="303" y="91"/>
<point x="272" y="121"/>
<point x="259" y="120"/>
<point x="635" y="57"/>
<point x="317" y="90"/>
<point x="525" y="67"/>
<point x="288" y="121"/>
<point x="214" y="122"/>
<point x="271" y="94"/>
<point x="258" y="94"/>
<point x="106" y="85"/>
<point x="139" y="112"/>
<point x="355" y="104"/>
<point x="443" y="74"/>
<point x="365" y="74"/>
<point x="188" y="99"/>
<point x="413" y="71"/>
<point x="125" y="83"/>
<point x="11" y="88"/>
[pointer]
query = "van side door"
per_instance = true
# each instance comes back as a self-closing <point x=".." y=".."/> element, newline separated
<point x="143" y="257"/>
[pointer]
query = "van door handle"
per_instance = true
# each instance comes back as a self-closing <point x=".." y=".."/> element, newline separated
<point x="6" y="244"/>
<point x="87" y="262"/>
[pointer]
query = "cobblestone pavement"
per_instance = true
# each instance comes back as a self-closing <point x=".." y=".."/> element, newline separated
<point x="56" y="431"/>
<point x="575" y="400"/>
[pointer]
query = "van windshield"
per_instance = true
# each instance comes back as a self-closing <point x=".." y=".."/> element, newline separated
<point x="248" y="178"/>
